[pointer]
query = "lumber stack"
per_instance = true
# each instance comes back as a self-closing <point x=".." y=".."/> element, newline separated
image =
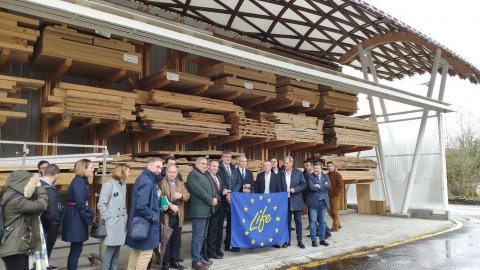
<point x="176" y="81"/>
<point x="10" y="88"/>
<point x="350" y="177"/>
<point x="332" y="101"/>
<point x="86" y="102"/>
<point x="350" y="163"/>
<point x="186" y="102"/>
<point x="206" y="117"/>
<point x="239" y="83"/>
<point x="303" y="94"/>
<point x="170" y="119"/>
<point x="299" y="128"/>
<point x="63" y="49"/>
<point x="344" y="136"/>
<point x="247" y="127"/>
<point x="337" y="120"/>
<point x="17" y="36"/>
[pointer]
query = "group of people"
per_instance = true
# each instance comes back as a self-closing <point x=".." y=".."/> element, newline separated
<point x="207" y="191"/>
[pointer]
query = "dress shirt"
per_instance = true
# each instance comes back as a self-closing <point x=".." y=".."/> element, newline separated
<point x="288" y="178"/>
<point x="267" y="183"/>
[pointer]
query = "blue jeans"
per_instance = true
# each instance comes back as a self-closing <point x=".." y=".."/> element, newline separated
<point x="318" y="215"/>
<point x="297" y="216"/>
<point x="199" y="233"/>
<point x="110" y="258"/>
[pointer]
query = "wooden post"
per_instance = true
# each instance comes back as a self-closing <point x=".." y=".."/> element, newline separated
<point x="363" y="199"/>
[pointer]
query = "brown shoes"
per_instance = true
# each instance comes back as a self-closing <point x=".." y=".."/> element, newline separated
<point x="200" y="266"/>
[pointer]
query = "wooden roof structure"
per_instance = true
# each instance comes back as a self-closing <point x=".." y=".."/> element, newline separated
<point x="325" y="32"/>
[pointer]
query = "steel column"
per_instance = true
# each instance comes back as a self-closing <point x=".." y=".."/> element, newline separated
<point x="375" y="79"/>
<point x="440" y="136"/>
<point x="421" y="133"/>
<point x="379" y="148"/>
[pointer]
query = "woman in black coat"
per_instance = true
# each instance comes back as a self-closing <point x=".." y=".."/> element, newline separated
<point x="78" y="214"/>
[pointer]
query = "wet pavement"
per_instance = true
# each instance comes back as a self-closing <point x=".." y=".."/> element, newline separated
<point x="459" y="249"/>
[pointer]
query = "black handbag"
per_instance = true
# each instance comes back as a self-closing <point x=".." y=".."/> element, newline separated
<point x="99" y="230"/>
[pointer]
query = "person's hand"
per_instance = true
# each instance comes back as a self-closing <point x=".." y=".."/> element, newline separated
<point x="214" y="202"/>
<point x="174" y="207"/>
<point x="317" y="185"/>
<point x="229" y="199"/>
<point x="225" y="192"/>
<point x="177" y="195"/>
<point x="292" y="190"/>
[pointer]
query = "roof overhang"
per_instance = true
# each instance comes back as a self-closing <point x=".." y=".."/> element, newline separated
<point x="143" y="27"/>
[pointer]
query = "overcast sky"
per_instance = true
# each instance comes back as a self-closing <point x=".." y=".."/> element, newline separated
<point x="454" y="24"/>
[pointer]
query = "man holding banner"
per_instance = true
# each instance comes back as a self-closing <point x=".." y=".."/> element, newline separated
<point x="293" y="182"/>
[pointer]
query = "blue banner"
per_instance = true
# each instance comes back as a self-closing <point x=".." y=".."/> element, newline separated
<point x="259" y="220"/>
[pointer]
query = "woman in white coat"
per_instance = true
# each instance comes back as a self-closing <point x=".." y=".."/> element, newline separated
<point x="113" y="209"/>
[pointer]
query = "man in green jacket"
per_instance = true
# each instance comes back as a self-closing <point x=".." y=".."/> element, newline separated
<point x="24" y="200"/>
<point x="203" y="199"/>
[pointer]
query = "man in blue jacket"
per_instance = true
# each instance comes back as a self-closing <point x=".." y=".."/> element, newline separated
<point x="246" y="176"/>
<point x="145" y="204"/>
<point x="318" y="202"/>
<point x="293" y="182"/>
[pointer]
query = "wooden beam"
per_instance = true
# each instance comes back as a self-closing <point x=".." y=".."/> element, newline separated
<point x="376" y="41"/>
<point x="199" y="90"/>
<point x="88" y="123"/>
<point x="13" y="101"/>
<point x="192" y="138"/>
<point x="275" y="106"/>
<point x="4" y="55"/>
<point x="156" y="84"/>
<point x="111" y="130"/>
<point x="58" y="127"/>
<point x="254" y="102"/>
<point x="114" y="77"/>
<point x="3" y="120"/>
<point x="61" y="69"/>
<point x="303" y="145"/>
<point x="253" y="141"/>
<point x="226" y="139"/>
<point x="277" y="144"/>
<point x="153" y="135"/>
<point x="12" y="114"/>
<point x="229" y="96"/>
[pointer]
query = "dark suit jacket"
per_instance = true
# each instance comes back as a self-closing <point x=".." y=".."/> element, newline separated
<point x="247" y="180"/>
<point x="297" y="181"/>
<point x="315" y="193"/>
<point x="274" y="183"/>
<point x="232" y="183"/>
<point x="218" y="190"/>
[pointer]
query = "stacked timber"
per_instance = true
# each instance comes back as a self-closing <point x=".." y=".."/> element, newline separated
<point x="345" y="136"/>
<point x="299" y="128"/>
<point x="86" y="102"/>
<point x="334" y="101"/>
<point x="205" y="117"/>
<point x="337" y="120"/>
<point x="239" y="83"/>
<point x="63" y="49"/>
<point x="17" y="37"/>
<point x="176" y="81"/>
<point x="251" y="128"/>
<point x="10" y="88"/>
<point x="350" y="177"/>
<point x="350" y="163"/>
<point x="303" y="94"/>
<point x="186" y="102"/>
<point x="169" y="119"/>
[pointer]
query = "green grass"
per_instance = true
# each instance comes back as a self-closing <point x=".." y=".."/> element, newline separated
<point x="464" y="199"/>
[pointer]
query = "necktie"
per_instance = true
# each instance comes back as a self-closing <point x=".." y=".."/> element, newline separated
<point x="228" y="170"/>
<point x="243" y="173"/>
<point x="216" y="181"/>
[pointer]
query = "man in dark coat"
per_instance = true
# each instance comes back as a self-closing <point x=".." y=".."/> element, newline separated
<point x="246" y="176"/>
<point x="169" y="161"/>
<point x="267" y="181"/>
<point x="203" y="200"/>
<point x="145" y="204"/>
<point x="230" y="182"/>
<point x="213" y="244"/>
<point x="293" y="182"/>
<point x="52" y="217"/>
<point x="275" y="168"/>
<point x="318" y="202"/>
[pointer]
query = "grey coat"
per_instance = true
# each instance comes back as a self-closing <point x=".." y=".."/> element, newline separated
<point x="113" y="209"/>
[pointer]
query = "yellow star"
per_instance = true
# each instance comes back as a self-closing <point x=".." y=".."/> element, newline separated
<point x="246" y="232"/>
<point x="253" y="241"/>
<point x="245" y="209"/>
<point x="270" y="239"/>
<point x="252" y="200"/>
<point x="269" y="200"/>
<point x="276" y="230"/>
<point x="262" y="244"/>
<point x="277" y="218"/>
<point x="243" y="220"/>
<point x="260" y="197"/>
<point x="275" y="208"/>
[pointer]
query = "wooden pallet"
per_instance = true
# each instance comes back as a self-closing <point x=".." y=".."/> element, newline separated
<point x="299" y="128"/>
<point x="10" y="88"/>
<point x="63" y="50"/>
<point x="251" y="128"/>
<point x="336" y="120"/>
<point x="176" y="81"/>
<point x="17" y="37"/>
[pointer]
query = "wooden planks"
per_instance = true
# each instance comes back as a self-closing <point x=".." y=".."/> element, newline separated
<point x="346" y="163"/>
<point x="350" y="137"/>
<point x="176" y="81"/>
<point x="251" y="128"/>
<point x="169" y="119"/>
<point x="294" y="95"/>
<point x="62" y="50"/>
<point x="336" y="120"/>
<point x="17" y="36"/>
<point x="332" y="101"/>
<point x="10" y="88"/>
<point x="222" y="69"/>
<point x="299" y="128"/>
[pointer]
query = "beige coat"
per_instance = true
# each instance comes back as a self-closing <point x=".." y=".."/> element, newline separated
<point x="165" y="187"/>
